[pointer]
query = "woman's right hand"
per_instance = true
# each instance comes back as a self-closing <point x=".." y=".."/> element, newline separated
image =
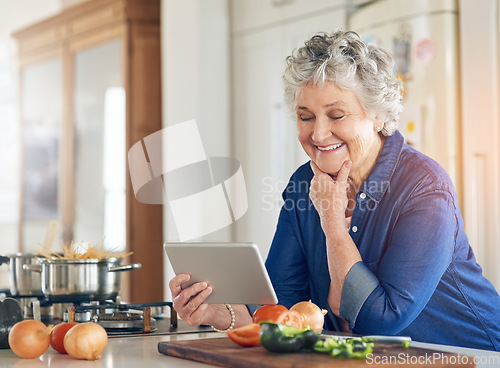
<point x="188" y="302"/>
<point x="329" y="196"/>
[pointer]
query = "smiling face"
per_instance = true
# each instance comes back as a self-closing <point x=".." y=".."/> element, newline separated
<point x="333" y="128"/>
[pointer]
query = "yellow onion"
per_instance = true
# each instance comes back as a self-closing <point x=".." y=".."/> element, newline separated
<point x="29" y="339"/>
<point x="312" y="315"/>
<point x="86" y="341"/>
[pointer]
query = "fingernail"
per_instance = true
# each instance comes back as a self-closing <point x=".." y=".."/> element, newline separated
<point x="348" y="164"/>
<point x="203" y="285"/>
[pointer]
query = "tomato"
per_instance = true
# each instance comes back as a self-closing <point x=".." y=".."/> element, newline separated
<point x="291" y="318"/>
<point x="247" y="335"/>
<point x="268" y="313"/>
<point x="57" y="336"/>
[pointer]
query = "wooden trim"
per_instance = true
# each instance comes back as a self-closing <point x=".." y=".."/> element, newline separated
<point x="84" y="17"/>
<point x="30" y="58"/>
<point x="145" y="232"/>
<point x="141" y="10"/>
<point x="96" y="37"/>
<point x="129" y="193"/>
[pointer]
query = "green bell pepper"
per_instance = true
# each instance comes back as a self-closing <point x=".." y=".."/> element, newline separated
<point x="280" y="338"/>
<point x="353" y="347"/>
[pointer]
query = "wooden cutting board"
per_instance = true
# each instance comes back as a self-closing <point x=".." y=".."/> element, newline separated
<point x="225" y="353"/>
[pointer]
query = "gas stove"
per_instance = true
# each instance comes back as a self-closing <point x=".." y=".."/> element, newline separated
<point x="118" y="319"/>
<point x="121" y="318"/>
<point x="117" y="322"/>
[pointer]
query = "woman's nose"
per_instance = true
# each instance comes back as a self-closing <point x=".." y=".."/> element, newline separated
<point x="321" y="130"/>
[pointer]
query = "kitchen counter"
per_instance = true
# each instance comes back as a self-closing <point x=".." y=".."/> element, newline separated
<point x="123" y="352"/>
<point x="142" y="351"/>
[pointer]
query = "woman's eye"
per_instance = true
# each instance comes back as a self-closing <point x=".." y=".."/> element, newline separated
<point x="305" y="118"/>
<point x="336" y="117"/>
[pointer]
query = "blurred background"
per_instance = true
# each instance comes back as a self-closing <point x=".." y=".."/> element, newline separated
<point x="82" y="81"/>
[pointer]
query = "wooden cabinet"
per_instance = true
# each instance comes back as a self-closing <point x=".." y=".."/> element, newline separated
<point x="90" y="89"/>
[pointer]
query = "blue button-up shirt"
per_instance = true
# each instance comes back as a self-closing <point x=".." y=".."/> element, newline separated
<point x="419" y="276"/>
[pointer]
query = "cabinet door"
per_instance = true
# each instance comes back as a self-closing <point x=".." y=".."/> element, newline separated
<point x="265" y="138"/>
<point x="41" y="115"/>
<point x="300" y="9"/>
<point x="254" y="14"/>
<point x="249" y="16"/>
<point x="99" y="148"/>
<point x="258" y="63"/>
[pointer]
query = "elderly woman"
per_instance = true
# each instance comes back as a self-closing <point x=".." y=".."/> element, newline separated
<point x="375" y="236"/>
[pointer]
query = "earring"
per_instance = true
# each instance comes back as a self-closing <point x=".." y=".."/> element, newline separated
<point x="379" y="128"/>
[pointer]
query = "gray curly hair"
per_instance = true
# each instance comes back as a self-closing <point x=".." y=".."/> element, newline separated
<point x="342" y="58"/>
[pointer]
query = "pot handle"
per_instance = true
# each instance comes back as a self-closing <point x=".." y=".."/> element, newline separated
<point x="124" y="268"/>
<point x="32" y="267"/>
<point x="4" y="259"/>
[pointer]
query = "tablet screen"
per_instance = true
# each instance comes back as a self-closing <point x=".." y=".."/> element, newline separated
<point x="235" y="271"/>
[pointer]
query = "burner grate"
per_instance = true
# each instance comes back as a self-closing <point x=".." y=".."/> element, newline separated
<point x="123" y="321"/>
<point x="117" y="316"/>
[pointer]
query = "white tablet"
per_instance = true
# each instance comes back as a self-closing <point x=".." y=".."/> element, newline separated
<point x="235" y="271"/>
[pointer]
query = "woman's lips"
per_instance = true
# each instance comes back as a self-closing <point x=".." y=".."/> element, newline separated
<point x="331" y="147"/>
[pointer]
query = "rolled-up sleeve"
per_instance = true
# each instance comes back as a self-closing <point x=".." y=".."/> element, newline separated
<point x="358" y="285"/>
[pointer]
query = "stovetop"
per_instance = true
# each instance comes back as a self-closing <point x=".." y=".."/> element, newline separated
<point x="163" y="327"/>
<point x="119" y="319"/>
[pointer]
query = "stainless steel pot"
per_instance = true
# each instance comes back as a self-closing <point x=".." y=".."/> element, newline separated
<point x="22" y="282"/>
<point x="71" y="280"/>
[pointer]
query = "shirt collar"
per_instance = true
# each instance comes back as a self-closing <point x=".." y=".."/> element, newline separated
<point x="380" y="177"/>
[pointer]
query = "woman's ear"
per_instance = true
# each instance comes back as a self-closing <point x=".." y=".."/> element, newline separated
<point x="378" y="123"/>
